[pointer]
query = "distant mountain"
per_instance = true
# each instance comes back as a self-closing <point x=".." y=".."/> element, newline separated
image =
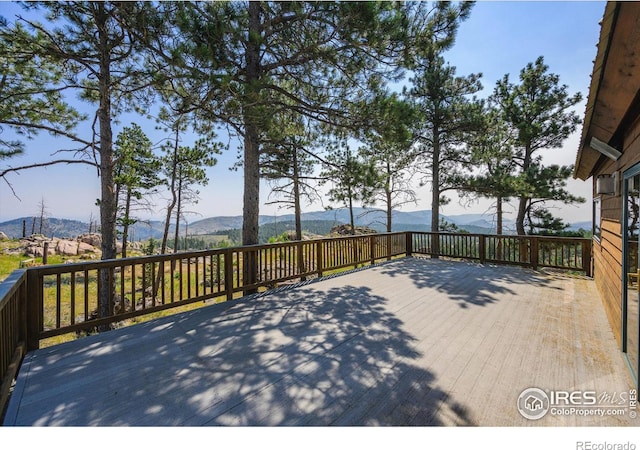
<point x="370" y="217"/>
<point x="52" y="227"/>
<point x="580" y="225"/>
<point x="373" y="218"/>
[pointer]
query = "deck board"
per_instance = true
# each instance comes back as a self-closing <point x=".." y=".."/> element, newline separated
<point x="408" y="342"/>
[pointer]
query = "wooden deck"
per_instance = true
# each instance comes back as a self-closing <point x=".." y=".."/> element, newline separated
<point x="409" y="342"/>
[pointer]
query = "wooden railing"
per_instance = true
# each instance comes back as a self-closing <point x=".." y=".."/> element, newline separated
<point x="531" y="251"/>
<point x="48" y="301"/>
<point x="13" y="332"/>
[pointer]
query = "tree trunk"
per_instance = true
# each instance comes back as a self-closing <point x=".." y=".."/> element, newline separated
<point x="125" y="224"/>
<point x="174" y="196"/>
<point x="176" y="237"/>
<point x="351" y="219"/>
<point x="522" y="212"/>
<point x="499" y="215"/>
<point x="170" y="207"/>
<point x="499" y="225"/>
<point x="523" y="201"/>
<point x="107" y="201"/>
<point x="297" y="210"/>
<point x="251" y="163"/>
<point x="387" y="191"/>
<point x="522" y="207"/>
<point x="435" y="195"/>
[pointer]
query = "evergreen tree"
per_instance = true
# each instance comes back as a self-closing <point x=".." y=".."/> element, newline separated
<point x="289" y="165"/>
<point x="135" y="176"/>
<point x="95" y="45"/>
<point x="184" y="168"/>
<point x="32" y="99"/>
<point x="541" y="111"/>
<point x="242" y="63"/>
<point x="493" y="165"/>
<point x="388" y="144"/>
<point x="448" y="114"/>
<point x="545" y="183"/>
<point x="354" y="179"/>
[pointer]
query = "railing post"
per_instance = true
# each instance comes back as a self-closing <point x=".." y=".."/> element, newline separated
<point x="249" y="270"/>
<point x="300" y="259"/>
<point x="408" y="243"/>
<point x="524" y="255"/>
<point x="228" y="273"/>
<point x="372" y="248"/>
<point x="534" y="244"/>
<point x="482" y="248"/>
<point x="435" y="245"/>
<point x="23" y="305"/>
<point x="319" y="259"/>
<point x="34" y="309"/>
<point x="355" y="250"/>
<point x="586" y="257"/>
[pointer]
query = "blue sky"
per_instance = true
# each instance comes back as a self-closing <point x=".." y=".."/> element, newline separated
<point x="499" y="37"/>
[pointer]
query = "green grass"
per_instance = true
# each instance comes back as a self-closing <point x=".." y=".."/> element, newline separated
<point x="9" y="263"/>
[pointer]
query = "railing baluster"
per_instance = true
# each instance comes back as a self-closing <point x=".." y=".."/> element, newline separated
<point x="73" y="298"/>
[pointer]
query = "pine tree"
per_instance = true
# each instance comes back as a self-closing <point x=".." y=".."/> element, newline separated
<point x="242" y="63"/>
<point x="288" y="164"/>
<point x="95" y="44"/>
<point x="388" y="143"/>
<point x="184" y="168"/>
<point x="32" y="99"/>
<point x="353" y="179"/>
<point x="135" y="176"/>
<point x="448" y="113"/>
<point x="540" y="110"/>
<point x="493" y="165"/>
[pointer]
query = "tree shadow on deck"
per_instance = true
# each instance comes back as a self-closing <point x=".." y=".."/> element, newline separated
<point x="464" y="282"/>
<point x="303" y="356"/>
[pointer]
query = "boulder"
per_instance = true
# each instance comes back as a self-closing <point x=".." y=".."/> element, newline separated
<point x="93" y="239"/>
<point x="345" y="230"/>
<point x="37" y="250"/>
<point x="84" y="248"/>
<point x="3" y="236"/>
<point x="67" y="248"/>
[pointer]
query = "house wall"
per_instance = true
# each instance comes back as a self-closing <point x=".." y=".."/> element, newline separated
<point x="607" y="251"/>
<point x="607" y="273"/>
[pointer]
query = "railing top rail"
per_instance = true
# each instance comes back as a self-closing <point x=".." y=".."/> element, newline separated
<point x="118" y="262"/>
<point x="507" y="236"/>
<point x="561" y="238"/>
<point x="10" y="285"/>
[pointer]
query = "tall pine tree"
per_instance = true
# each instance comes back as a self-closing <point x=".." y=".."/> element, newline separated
<point x="94" y="43"/>
<point x="242" y="63"/>
<point x="540" y="109"/>
<point x="448" y="114"/>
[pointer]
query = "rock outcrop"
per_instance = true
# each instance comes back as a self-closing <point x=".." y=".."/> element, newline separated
<point x="345" y="230"/>
<point x="86" y="246"/>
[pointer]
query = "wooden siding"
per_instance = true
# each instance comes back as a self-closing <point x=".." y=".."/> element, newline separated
<point x="607" y="253"/>
<point x="607" y="256"/>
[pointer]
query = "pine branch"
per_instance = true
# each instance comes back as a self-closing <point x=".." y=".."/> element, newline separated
<point x="4" y="172"/>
